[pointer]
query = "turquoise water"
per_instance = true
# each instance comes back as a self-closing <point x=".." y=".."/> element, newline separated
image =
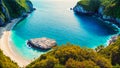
<point x="54" y="19"/>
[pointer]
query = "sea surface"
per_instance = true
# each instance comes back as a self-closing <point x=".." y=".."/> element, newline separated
<point x="54" y="19"/>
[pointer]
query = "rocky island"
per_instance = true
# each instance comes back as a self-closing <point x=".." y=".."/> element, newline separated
<point x="42" y="43"/>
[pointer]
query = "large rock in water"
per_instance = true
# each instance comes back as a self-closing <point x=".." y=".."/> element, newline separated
<point x="42" y="43"/>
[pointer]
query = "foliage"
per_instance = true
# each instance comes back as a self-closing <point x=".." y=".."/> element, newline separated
<point x="10" y="9"/>
<point x="90" y="5"/>
<point x="5" y="62"/>
<point x="76" y="55"/>
<point x="71" y="63"/>
<point x="111" y="7"/>
<point x="16" y="7"/>
<point x="48" y="62"/>
<point x="112" y="52"/>
<point x="99" y="48"/>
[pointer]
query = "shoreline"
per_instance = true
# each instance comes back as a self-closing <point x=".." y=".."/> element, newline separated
<point x="7" y="48"/>
<point x="112" y="39"/>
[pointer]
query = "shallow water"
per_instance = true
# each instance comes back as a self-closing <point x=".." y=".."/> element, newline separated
<point x="54" y="19"/>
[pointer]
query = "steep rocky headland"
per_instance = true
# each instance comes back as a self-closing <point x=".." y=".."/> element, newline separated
<point x="10" y="9"/>
<point x="105" y="10"/>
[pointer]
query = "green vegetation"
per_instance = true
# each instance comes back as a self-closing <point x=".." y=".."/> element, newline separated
<point x="71" y="56"/>
<point x="5" y="62"/>
<point x="90" y="5"/>
<point x="15" y="10"/>
<point x="111" y="7"/>
<point x="112" y="52"/>
<point x="10" y="9"/>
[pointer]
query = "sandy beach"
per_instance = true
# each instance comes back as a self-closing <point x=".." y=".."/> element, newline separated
<point x="7" y="47"/>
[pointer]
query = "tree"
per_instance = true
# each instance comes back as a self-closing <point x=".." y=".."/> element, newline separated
<point x="99" y="48"/>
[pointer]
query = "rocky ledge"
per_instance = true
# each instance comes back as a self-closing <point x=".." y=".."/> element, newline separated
<point x="42" y="43"/>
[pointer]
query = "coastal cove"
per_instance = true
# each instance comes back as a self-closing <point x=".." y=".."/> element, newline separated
<point x="54" y="19"/>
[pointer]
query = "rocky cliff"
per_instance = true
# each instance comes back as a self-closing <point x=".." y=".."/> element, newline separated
<point x="101" y="11"/>
<point x="10" y="9"/>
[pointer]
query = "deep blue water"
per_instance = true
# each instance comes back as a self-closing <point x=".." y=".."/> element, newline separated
<point x="54" y="19"/>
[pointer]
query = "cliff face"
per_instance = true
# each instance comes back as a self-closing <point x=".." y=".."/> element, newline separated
<point x="10" y="9"/>
<point x="100" y="10"/>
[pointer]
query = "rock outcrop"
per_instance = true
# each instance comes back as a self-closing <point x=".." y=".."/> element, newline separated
<point x="79" y="9"/>
<point x="42" y="43"/>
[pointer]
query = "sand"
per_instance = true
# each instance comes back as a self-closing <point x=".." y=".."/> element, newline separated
<point x="7" y="47"/>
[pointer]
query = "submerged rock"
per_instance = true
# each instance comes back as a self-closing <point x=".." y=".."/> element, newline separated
<point x="42" y="43"/>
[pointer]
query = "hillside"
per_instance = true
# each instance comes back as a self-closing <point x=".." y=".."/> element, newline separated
<point x="70" y="56"/>
<point x="112" y="52"/>
<point x="5" y="62"/>
<point x="10" y="9"/>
